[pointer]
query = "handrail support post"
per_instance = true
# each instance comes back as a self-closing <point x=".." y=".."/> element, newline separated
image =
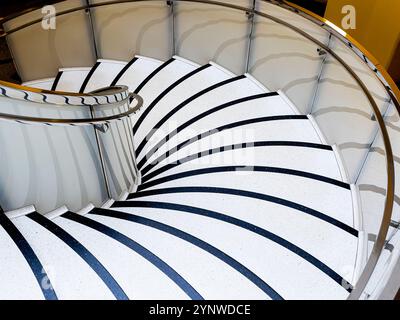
<point x="90" y="18"/>
<point x="101" y="156"/>
<point x="251" y="17"/>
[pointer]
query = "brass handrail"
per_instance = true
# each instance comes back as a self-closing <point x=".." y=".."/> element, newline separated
<point x="37" y="90"/>
<point x="114" y="94"/>
<point x="379" y="244"/>
<point x="80" y="121"/>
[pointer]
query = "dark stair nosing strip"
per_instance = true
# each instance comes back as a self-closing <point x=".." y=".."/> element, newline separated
<point x="191" y="99"/>
<point x="159" y="98"/>
<point x="194" y="241"/>
<point x="139" y="249"/>
<point x="233" y="147"/>
<point x="84" y="253"/>
<point x="88" y="76"/>
<point x="30" y="256"/>
<point x="241" y="224"/>
<point x="122" y="72"/>
<point x="252" y="195"/>
<point x="56" y="80"/>
<point x="151" y="75"/>
<point x="214" y="131"/>
<point x="249" y="168"/>
<point x="194" y="97"/>
<point x="201" y="116"/>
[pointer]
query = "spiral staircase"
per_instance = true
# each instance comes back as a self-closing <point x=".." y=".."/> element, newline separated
<point x="199" y="173"/>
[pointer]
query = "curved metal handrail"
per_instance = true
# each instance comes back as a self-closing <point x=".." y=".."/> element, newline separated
<point x="379" y="244"/>
<point x="37" y="90"/>
<point x="343" y="34"/>
<point x="114" y="94"/>
<point x="77" y="122"/>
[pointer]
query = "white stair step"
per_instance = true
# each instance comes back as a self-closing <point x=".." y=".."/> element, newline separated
<point x="223" y="92"/>
<point x="299" y="130"/>
<point x="271" y="156"/>
<point x="259" y="107"/>
<point x="139" y="278"/>
<point x="288" y="274"/>
<point x="44" y="84"/>
<point x="329" y="199"/>
<point x="179" y="93"/>
<point x="329" y="244"/>
<point x="71" y="79"/>
<point x="16" y="277"/>
<point x="70" y="275"/>
<point x="172" y="71"/>
<point x="139" y="70"/>
<point x="106" y="71"/>
<point x="211" y="277"/>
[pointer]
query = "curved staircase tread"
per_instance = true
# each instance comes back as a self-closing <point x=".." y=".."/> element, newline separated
<point x="22" y="276"/>
<point x="103" y="74"/>
<point x="262" y="153"/>
<point x="71" y="275"/>
<point x="70" y="79"/>
<point x="246" y="248"/>
<point x="181" y="90"/>
<point x="211" y="277"/>
<point x="230" y="102"/>
<point x="157" y="82"/>
<point x="45" y="83"/>
<point x="337" y="250"/>
<point x="150" y="276"/>
<point x="332" y="200"/>
<point x="280" y="128"/>
<point x="139" y="68"/>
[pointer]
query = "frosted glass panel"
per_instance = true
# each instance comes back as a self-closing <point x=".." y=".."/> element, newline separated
<point x="205" y="32"/>
<point x="345" y="115"/>
<point x="363" y="71"/>
<point x="48" y="166"/>
<point x="282" y="59"/>
<point x="117" y="147"/>
<point x="125" y="29"/>
<point x="294" y="19"/>
<point x="39" y="53"/>
<point x="372" y="181"/>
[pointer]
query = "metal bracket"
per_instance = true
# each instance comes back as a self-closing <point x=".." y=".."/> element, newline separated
<point x="321" y="52"/>
<point x="102" y="127"/>
<point x="249" y="15"/>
